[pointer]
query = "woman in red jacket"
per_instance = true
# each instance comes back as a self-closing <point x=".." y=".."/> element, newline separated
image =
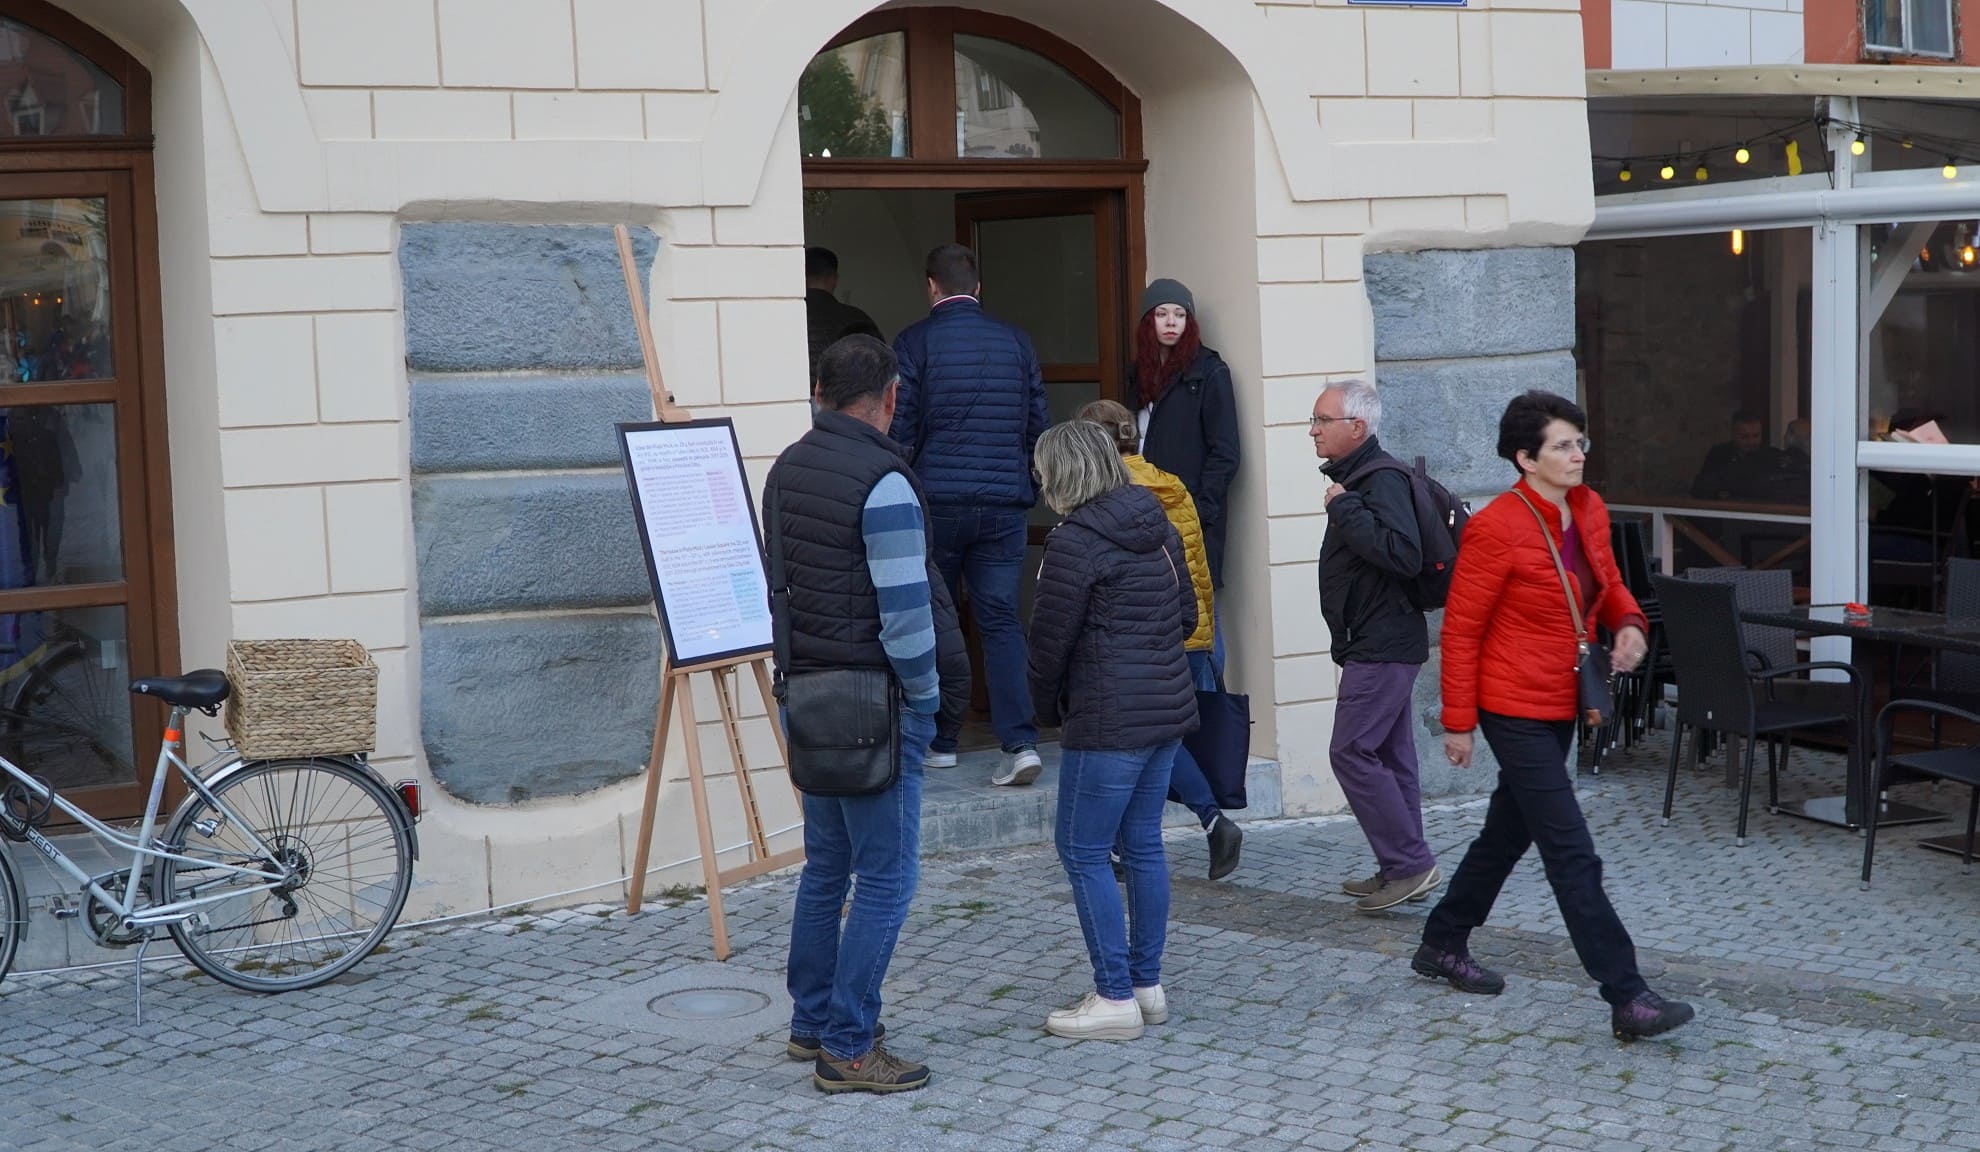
<point x="1509" y="656"/>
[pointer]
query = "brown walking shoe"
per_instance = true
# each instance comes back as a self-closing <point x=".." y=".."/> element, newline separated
<point x="1368" y="887"/>
<point x="1394" y="892"/>
<point x="877" y="1071"/>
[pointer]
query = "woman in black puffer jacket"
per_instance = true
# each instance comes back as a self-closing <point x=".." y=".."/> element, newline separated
<point x="1113" y="606"/>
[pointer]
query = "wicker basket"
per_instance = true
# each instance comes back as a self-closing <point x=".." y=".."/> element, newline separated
<point x="301" y="697"/>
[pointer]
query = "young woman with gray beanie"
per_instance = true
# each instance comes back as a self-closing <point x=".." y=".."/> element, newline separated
<point x="1188" y="413"/>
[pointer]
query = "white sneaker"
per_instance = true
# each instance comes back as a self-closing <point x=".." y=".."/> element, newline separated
<point x="1019" y="768"/>
<point x="1154" y="1004"/>
<point x="939" y="760"/>
<point x="1097" y="1018"/>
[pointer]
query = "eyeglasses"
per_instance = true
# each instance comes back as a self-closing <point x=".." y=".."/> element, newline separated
<point x="1569" y="447"/>
<point x="1316" y="423"/>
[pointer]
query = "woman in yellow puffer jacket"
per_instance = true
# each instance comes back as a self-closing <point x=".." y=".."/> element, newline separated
<point x="1186" y="781"/>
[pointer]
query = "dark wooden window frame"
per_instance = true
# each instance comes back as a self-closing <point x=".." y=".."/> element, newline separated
<point x="931" y="162"/>
<point x="120" y="169"/>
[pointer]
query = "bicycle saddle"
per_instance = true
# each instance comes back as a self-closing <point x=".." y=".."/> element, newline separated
<point x="203" y="688"/>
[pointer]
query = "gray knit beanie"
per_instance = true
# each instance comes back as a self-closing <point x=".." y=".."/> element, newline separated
<point x="1167" y="291"/>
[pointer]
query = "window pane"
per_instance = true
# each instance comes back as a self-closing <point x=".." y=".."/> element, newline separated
<point x="1013" y="103"/>
<point x="65" y="710"/>
<point x="1931" y="26"/>
<point x="852" y="100"/>
<point x="54" y="290"/>
<point x="51" y="90"/>
<point x="1038" y="274"/>
<point x="1883" y="24"/>
<point x="59" y="521"/>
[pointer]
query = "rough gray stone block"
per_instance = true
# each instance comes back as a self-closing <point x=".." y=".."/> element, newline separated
<point x="523" y="708"/>
<point x="1448" y="411"/>
<point x="493" y="297"/>
<point x="510" y="543"/>
<point x="498" y="423"/>
<point x="1437" y="776"/>
<point x="1442" y="304"/>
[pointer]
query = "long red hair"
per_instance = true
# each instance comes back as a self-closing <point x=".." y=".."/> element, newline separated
<point x="1152" y="370"/>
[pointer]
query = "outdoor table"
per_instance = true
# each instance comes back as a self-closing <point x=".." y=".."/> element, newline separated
<point x="1874" y="644"/>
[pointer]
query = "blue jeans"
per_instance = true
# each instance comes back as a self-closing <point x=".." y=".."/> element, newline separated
<point x="983" y="549"/>
<point x="1109" y="797"/>
<point x="834" y="976"/>
<point x="1186" y="779"/>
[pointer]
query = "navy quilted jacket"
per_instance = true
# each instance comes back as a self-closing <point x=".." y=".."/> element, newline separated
<point x="972" y="405"/>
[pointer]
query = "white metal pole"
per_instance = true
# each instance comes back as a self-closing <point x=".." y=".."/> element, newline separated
<point x="1835" y="543"/>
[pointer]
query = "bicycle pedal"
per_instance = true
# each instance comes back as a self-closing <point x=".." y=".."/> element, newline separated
<point x="62" y="909"/>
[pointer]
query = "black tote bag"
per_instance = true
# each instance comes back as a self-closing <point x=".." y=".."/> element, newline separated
<point x="1221" y="744"/>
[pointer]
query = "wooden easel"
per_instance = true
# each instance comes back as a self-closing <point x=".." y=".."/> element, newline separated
<point x="677" y="694"/>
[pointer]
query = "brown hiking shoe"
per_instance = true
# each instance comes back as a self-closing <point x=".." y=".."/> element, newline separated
<point x="1373" y="884"/>
<point x="877" y="1071"/>
<point x="1394" y="892"/>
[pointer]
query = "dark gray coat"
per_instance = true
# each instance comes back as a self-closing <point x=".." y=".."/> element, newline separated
<point x="1368" y="560"/>
<point x="1113" y="606"/>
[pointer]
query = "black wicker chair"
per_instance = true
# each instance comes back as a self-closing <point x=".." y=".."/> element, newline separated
<point x="1720" y="691"/>
<point x="1957" y="765"/>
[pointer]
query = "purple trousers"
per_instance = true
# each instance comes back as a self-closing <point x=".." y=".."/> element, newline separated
<point x="1374" y="758"/>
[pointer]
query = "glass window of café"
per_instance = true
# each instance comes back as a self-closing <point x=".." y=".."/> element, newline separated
<point x="1692" y="354"/>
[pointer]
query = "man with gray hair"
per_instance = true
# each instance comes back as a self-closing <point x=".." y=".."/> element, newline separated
<point x="1369" y="561"/>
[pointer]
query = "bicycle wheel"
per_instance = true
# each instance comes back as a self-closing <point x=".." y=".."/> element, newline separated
<point x="13" y="912"/>
<point x="350" y="855"/>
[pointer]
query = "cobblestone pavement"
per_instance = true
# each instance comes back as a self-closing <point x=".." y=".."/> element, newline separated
<point x="1828" y="1016"/>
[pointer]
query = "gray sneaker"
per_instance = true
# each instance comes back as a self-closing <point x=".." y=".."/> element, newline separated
<point x="1020" y="767"/>
<point x="1394" y="892"/>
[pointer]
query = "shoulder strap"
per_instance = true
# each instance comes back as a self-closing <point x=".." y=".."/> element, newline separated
<point x="1560" y="569"/>
<point x="780" y="622"/>
<point x="1386" y="464"/>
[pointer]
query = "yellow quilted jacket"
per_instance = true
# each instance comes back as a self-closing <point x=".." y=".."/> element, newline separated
<point x="1181" y="507"/>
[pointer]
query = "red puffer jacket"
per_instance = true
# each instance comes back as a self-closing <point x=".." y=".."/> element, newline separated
<point x="1508" y="643"/>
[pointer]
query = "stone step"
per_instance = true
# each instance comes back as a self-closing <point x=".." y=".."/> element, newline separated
<point x="961" y="811"/>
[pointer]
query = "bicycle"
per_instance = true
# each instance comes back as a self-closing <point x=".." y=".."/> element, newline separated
<point x="271" y="875"/>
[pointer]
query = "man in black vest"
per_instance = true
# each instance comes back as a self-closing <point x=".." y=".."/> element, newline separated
<point x="852" y="531"/>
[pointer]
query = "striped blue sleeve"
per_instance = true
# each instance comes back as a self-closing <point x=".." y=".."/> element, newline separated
<point x="897" y="558"/>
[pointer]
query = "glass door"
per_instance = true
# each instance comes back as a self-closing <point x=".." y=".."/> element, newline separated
<point x="75" y="559"/>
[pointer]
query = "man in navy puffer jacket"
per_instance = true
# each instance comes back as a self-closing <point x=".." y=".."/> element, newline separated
<point x="972" y="406"/>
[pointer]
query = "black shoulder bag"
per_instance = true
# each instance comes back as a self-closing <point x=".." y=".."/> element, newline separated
<point x="843" y="725"/>
<point x="1593" y="672"/>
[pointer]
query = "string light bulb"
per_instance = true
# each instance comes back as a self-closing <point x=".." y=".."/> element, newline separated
<point x="1626" y="175"/>
<point x="1701" y="175"/>
<point x="1951" y="170"/>
<point x="1857" y="146"/>
<point x="1666" y="172"/>
<point x="1905" y="143"/>
<point x="1739" y="242"/>
<point x="1742" y="156"/>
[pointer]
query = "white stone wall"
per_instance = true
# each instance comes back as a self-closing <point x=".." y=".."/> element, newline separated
<point x="323" y="123"/>
<point x="1651" y="34"/>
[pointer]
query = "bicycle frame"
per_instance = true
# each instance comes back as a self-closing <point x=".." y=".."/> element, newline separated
<point x="142" y="847"/>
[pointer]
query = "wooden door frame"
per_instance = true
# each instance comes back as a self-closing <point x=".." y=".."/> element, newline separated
<point x="931" y="163"/>
<point x="123" y="165"/>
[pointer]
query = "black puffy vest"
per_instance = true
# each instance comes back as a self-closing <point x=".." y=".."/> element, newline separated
<point x="818" y="489"/>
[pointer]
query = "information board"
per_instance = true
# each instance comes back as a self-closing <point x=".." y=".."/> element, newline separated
<point x="697" y="525"/>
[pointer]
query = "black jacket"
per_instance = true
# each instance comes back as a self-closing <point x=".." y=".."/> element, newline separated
<point x="1370" y="556"/>
<point x="1108" y="620"/>
<point x="827" y="318"/>
<point x="817" y="491"/>
<point x="1193" y="432"/>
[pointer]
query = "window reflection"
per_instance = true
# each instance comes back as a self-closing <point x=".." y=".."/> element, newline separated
<point x="852" y="100"/>
<point x="54" y="290"/>
<point x="51" y="89"/>
<point x="64" y="706"/>
<point x="1012" y="103"/>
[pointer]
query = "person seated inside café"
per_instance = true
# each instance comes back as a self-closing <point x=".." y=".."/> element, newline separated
<point x="1743" y="468"/>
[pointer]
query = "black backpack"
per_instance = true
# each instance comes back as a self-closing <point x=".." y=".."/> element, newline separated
<point x="1440" y="519"/>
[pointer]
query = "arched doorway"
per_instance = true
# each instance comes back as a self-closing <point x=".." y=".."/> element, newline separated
<point x="85" y="531"/>
<point x="921" y="126"/>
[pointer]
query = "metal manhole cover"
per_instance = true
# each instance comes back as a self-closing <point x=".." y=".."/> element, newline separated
<point x="708" y="1003"/>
